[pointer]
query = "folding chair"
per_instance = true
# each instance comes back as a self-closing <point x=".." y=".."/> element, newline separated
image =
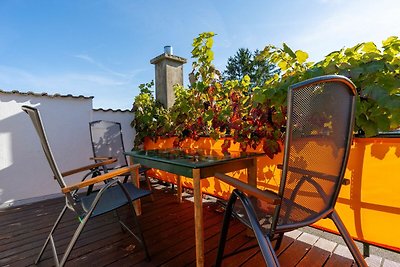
<point x="318" y="137"/>
<point x="110" y="197"/>
<point x="107" y="142"/>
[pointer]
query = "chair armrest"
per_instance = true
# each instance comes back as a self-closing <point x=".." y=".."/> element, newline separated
<point x="101" y="158"/>
<point x="89" y="167"/>
<point x="268" y="196"/>
<point x="100" y="178"/>
<point x="309" y="173"/>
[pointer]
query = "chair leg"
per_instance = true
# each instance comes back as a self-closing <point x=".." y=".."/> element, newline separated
<point x="347" y="238"/>
<point x="140" y="237"/>
<point x="75" y="237"/>
<point x="179" y="188"/>
<point x="116" y="214"/>
<point x="51" y="234"/>
<point x="224" y="230"/>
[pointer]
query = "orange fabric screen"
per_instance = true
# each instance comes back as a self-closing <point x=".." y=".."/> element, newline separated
<point x="369" y="206"/>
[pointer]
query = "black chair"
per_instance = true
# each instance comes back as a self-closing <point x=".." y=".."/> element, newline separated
<point x="318" y="137"/>
<point x="110" y="197"/>
<point x="107" y="142"/>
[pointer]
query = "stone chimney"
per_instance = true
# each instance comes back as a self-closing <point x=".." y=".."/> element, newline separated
<point x="169" y="71"/>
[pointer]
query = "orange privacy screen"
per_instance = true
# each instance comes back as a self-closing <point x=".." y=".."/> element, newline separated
<point x="369" y="206"/>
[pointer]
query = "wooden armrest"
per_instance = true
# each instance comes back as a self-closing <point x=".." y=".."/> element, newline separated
<point x="267" y="196"/>
<point x="101" y="158"/>
<point x="89" y="167"/>
<point x="100" y="178"/>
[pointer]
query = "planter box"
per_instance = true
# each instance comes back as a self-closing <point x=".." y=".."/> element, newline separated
<point x="369" y="206"/>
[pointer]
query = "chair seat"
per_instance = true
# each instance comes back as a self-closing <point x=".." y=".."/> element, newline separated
<point x="263" y="211"/>
<point x="112" y="198"/>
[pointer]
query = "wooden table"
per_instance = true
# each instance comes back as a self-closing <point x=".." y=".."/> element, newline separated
<point x="197" y="164"/>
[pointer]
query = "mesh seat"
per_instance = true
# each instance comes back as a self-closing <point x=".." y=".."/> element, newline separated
<point x="113" y="199"/>
<point x="318" y="136"/>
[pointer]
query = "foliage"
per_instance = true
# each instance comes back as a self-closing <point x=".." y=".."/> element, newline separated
<point x="151" y="118"/>
<point x="254" y="115"/>
<point x="375" y="72"/>
<point x="245" y="62"/>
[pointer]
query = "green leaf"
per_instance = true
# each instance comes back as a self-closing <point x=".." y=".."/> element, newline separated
<point x="331" y="68"/>
<point x="259" y="97"/>
<point x="283" y="65"/>
<point x="245" y="81"/>
<point x="288" y="50"/>
<point x="370" y="129"/>
<point x="301" y="56"/>
<point x="374" y="66"/>
<point x="210" y="55"/>
<point x="375" y="92"/>
<point x="383" y="123"/>
<point x="209" y="114"/>
<point x="356" y="72"/>
<point x="389" y="40"/>
<point x="370" y="47"/>
<point x="209" y="42"/>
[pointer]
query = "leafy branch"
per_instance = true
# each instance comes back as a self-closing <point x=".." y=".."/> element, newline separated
<point x="254" y="115"/>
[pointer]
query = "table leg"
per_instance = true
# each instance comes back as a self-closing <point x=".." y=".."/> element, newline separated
<point x="179" y="188"/>
<point x="198" y="218"/>
<point x="252" y="173"/>
<point x="135" y="180"/>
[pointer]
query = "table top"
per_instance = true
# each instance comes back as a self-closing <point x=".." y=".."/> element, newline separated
<point x="191" y="158"/>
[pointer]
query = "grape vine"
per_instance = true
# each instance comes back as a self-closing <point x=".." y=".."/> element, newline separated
<point x="256" y="116"/>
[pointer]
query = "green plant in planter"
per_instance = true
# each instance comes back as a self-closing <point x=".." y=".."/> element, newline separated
<point x="211" y="107"/>
<point x="151" y="118"/>
<point x="257" y="115"/>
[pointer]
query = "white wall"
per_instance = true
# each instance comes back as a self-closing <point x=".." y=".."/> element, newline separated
<point x="123" y="117"/>
<point x="25" y="175"/>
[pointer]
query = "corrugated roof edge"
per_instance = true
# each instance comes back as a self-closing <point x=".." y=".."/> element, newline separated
<point x="44" y="94"/>
<point x="113" y="110"/>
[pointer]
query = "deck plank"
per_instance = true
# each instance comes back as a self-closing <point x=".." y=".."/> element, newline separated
<point x="168" y="228"/>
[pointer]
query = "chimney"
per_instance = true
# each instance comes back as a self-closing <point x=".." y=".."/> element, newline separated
<point x="168" y="72"/>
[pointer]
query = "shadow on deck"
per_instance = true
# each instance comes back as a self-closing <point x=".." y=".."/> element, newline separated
<point x="168" y="229"/>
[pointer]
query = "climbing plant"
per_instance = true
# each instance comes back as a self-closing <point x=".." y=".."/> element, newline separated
<point x="254" y="115"/>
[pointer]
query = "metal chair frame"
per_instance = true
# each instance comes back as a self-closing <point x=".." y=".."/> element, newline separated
<point x="86" y="207"/>
<point x="121" y="160"/>
<point x="276" y="199"/>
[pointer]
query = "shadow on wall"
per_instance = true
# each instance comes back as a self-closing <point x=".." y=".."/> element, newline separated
<point x="374" y="184"/>
<point x="16" y="147"/>
<point x="24" y="171"/>
<point x="107" y="142"/>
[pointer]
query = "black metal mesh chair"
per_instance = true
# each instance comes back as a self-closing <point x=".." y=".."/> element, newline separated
<point x="107" y="142"/>
<point x="110" y="197"/>
<point x="318" y="138"/>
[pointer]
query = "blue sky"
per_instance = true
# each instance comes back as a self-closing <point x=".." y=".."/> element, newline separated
<point x="102" y="48"/>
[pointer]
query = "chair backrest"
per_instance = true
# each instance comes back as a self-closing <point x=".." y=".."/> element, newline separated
<point x="318" y="138"/>
<point x="107" y="141"/>
<point x="34" y="114"/>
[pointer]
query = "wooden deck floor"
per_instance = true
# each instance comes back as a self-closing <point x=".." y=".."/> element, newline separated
<point x="168" y="229"/>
